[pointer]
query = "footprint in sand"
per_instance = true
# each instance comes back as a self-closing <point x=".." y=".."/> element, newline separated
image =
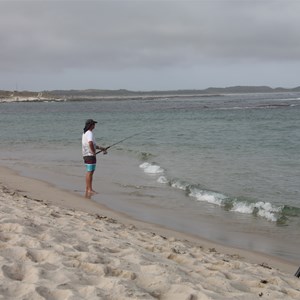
<point x="116" y="272"/>
<point x="53" y="295"/>
<point x="38" y="256"/>
<point x="20" y="272"/>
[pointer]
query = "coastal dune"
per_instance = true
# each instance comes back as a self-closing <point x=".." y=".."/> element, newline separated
<point x="70" y="248"/>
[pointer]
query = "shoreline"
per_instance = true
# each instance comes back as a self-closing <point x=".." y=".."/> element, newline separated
<point x="137" y="198"/>
<point x="58" y="245"/>
<point x="47" y="192"/>
<point x="103" y="98"/>
<point x="135" y="95"/>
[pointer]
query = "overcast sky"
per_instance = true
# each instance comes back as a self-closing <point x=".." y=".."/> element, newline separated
<point x="148" y="45"/>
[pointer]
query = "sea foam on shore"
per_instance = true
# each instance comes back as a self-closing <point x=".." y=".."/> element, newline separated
<point x="51" y="252"/>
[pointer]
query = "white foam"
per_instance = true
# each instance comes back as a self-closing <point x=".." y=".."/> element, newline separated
<point x="162" y="179"/>
<point x="210" y="197"/>
<point x="243" y="207"/>
<point x="264" y="209"/>
<point x="179" y="185"/>
<point x="267" y="211"/>
<point x="151" y="168"/>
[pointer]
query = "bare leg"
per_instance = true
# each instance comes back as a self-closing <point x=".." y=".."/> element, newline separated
<point x="89" y="183"/>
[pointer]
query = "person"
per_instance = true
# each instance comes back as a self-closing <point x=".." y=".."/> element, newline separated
<point x="89" y="147"/>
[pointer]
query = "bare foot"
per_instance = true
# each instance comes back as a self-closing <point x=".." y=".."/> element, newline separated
<point x="89" y="194"/>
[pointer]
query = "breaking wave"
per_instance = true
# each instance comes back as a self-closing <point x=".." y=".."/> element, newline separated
<point x="266" y="210"/>
<point x="151" y="168"/>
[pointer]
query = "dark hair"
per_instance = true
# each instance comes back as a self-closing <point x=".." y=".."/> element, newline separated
<point x="88" y="124"/>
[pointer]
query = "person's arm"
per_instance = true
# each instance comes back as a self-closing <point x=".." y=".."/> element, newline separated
<point x="93" y="150"/>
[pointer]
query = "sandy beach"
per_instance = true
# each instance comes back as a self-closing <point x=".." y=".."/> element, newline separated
<point x="57" y="245"/>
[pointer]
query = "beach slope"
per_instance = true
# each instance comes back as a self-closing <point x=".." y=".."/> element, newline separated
<point x="52" y="251"/>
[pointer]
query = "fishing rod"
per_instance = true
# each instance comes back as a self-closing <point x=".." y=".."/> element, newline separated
<point x="119" y="142"/>
<point x="298" y="273"/>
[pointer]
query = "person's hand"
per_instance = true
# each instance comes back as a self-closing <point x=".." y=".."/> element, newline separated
<point x="104" y="150"/>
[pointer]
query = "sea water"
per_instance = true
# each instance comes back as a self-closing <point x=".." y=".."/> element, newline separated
<point x="224" y="167"/>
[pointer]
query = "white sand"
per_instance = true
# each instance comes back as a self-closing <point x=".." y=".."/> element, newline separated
<point x="49" y="250"/>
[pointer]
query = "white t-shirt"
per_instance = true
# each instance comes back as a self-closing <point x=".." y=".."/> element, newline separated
<point x="86" y="138"/>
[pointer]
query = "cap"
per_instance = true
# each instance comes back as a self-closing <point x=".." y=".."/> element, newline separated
<point x="90" y="122"/>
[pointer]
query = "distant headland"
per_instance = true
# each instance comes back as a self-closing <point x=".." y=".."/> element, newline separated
<point x="123" y="94"/>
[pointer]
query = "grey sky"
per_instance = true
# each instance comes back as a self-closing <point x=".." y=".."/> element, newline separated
<point x="149" y="45"/>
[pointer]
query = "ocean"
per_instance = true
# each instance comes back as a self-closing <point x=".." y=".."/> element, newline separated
<point x="225" y="167"/>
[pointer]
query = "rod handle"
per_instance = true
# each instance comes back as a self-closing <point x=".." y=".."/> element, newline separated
<point x="103" y="150"/>
<point x="298" y="273"/>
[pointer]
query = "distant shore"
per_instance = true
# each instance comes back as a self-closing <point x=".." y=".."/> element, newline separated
<point x="101" y="98"/>
<point x="96" y="98"/>
<point x="28" y="99"/>
<point x="122" y="94"/>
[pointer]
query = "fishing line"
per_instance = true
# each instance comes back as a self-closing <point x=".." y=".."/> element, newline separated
<point x="119" y="142"/>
